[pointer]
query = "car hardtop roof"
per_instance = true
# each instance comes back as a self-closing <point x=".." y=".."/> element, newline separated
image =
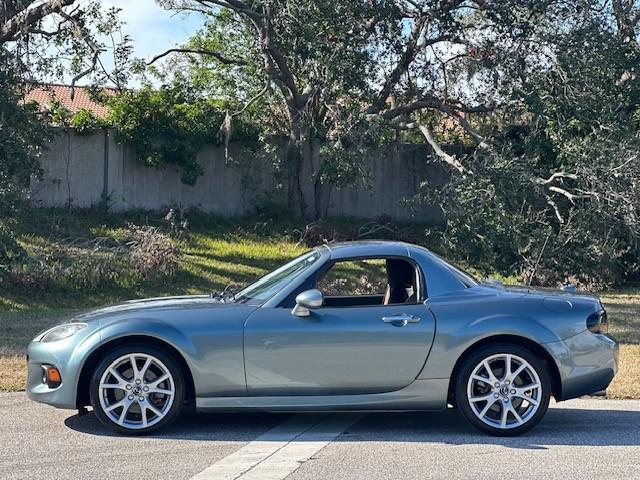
<point x="373" y="248"/>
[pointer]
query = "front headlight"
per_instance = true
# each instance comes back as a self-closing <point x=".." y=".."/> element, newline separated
<point x="62" y="331"/>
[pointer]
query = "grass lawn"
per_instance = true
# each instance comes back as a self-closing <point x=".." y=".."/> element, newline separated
<point x="216" y="253"/>
<point x="624" y="324"/>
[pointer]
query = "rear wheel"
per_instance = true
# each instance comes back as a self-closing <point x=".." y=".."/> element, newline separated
<point x="503" y="390"/>
<point x="137" y="389"/>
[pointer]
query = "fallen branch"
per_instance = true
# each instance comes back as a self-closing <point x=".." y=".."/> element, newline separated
<point x="450" y="159"/>
<point x="571" y="196"/>
<point x="535" y="266"/>
<point x="555" y="176"/>
<point x="556" y="210"/>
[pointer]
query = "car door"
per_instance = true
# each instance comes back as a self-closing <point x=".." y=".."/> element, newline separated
<point x="337" y="350"/>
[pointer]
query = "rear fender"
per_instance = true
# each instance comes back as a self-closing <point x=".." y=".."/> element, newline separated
<point x="454" y="337"/>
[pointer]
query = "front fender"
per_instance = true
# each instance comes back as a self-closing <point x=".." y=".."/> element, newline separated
<point x="211" y="345"/>
<point x="149" y="327"/>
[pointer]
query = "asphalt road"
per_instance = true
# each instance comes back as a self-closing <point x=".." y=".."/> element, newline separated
<point x="579" y="439"/>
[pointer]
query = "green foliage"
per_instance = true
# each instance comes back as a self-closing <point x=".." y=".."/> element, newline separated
<point x="57" y="114"/>
<point x="311" y="85"/>
<point x="56" y="40"/>
<point x="23" y="136"/>
<point x="85" y="122"/>
<point x="170" y="125"/>
<point x="573" y="118"/>
<point x="343" y="167"/>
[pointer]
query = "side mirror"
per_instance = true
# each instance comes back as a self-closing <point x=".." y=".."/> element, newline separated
<point x="306" y="301"/>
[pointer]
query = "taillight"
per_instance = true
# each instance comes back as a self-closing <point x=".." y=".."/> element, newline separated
<point x="597" y="322"/>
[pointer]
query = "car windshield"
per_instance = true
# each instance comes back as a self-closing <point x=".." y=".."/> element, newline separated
<point x="265" y="288"/>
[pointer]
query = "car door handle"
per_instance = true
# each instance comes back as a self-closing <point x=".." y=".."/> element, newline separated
<point x="401" y="319"/>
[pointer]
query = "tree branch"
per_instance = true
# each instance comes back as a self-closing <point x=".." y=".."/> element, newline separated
<point x="429" y="101"/>
<point x="407" y="57"/>
<point x="95" y="48"/>
<point x="28" y="17"/>
<point x="221" y="58"/>
<point x="253" y="100"/>
<point x="275" y="62"/>
<point x="556" y="210"/>
<point x="572" y="197"/>
<point x="444" y="107"/>
<point x="555" y="176"/>
<point x="450" y="159"/>
<point x="235" y="5"/>
<point x="84" y="73"/>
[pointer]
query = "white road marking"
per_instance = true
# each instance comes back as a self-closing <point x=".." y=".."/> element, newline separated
<point x="279" y="452"/>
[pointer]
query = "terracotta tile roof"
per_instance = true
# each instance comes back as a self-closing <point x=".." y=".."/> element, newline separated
<point x="45" y="94"/>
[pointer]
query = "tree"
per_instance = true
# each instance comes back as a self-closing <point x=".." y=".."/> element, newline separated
<point x="543" y="92"/>
<point x="339" y="76"/>
<point x="558" y="199"/>
<point x="64" y="38"/>
<point x="40" y="39"/>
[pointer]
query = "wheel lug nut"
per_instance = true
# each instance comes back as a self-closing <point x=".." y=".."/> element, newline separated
<point x="130" y="397"/>
<point x="507" y="382"/>
<point x="495" y="395"/>
<point x="128" y="387"/>
<point x="497" y="385"/>
<point x="513" y="391"/>
<point x="141" y="399"/>
<point x="505" y="399"/>
<point x="146" y="389"/>
<point x="138" y="381"/>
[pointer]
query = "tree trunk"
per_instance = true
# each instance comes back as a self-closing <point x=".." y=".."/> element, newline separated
<point x="321" y="191"/>
<point x="295" y="197"/>
<point x="306" y="195"/>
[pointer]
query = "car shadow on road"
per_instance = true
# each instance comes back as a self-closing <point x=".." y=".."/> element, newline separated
<point x="561" y="426"/>
<point x="194" y="426"/>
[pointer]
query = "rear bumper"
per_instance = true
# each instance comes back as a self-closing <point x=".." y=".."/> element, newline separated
<point x="587" y="363"/>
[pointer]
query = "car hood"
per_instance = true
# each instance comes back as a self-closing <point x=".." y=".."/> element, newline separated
<point x="154" y="304"/>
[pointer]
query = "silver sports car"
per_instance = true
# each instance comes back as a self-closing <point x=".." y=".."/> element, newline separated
<point x="354" y="326"/>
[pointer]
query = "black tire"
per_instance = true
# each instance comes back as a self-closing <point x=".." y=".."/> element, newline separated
<point x="172" y="411"/>
<point x="464" y="405"/>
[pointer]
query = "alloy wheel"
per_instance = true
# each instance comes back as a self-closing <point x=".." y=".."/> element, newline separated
<point x="136" y="391"/>
<point x="504" y="391"/>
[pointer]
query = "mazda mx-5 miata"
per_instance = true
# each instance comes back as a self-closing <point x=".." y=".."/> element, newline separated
<point x="354" y="326"/>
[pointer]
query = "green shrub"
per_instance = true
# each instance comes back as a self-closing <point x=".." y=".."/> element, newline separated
<point x="85" y="122"/>
<point x="170" y="125"/>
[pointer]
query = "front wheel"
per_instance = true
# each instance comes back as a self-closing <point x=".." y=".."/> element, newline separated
<point x="503" y="390"/>
<point x="137" y="389"/>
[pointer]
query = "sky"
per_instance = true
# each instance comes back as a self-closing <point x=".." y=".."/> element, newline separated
<point x="153" y="29"/>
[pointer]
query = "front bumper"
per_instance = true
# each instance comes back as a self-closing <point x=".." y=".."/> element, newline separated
<point x="587" y="363"/>
<point x="63" y="396"/>
<point x="68" y="357"/>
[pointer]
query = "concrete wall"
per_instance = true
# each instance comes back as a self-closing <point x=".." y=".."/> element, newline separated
<point x="81" y="171"/>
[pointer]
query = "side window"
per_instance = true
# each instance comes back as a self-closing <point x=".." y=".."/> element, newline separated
<point x="354" y="278"/>
<point x="367" y="282"/>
